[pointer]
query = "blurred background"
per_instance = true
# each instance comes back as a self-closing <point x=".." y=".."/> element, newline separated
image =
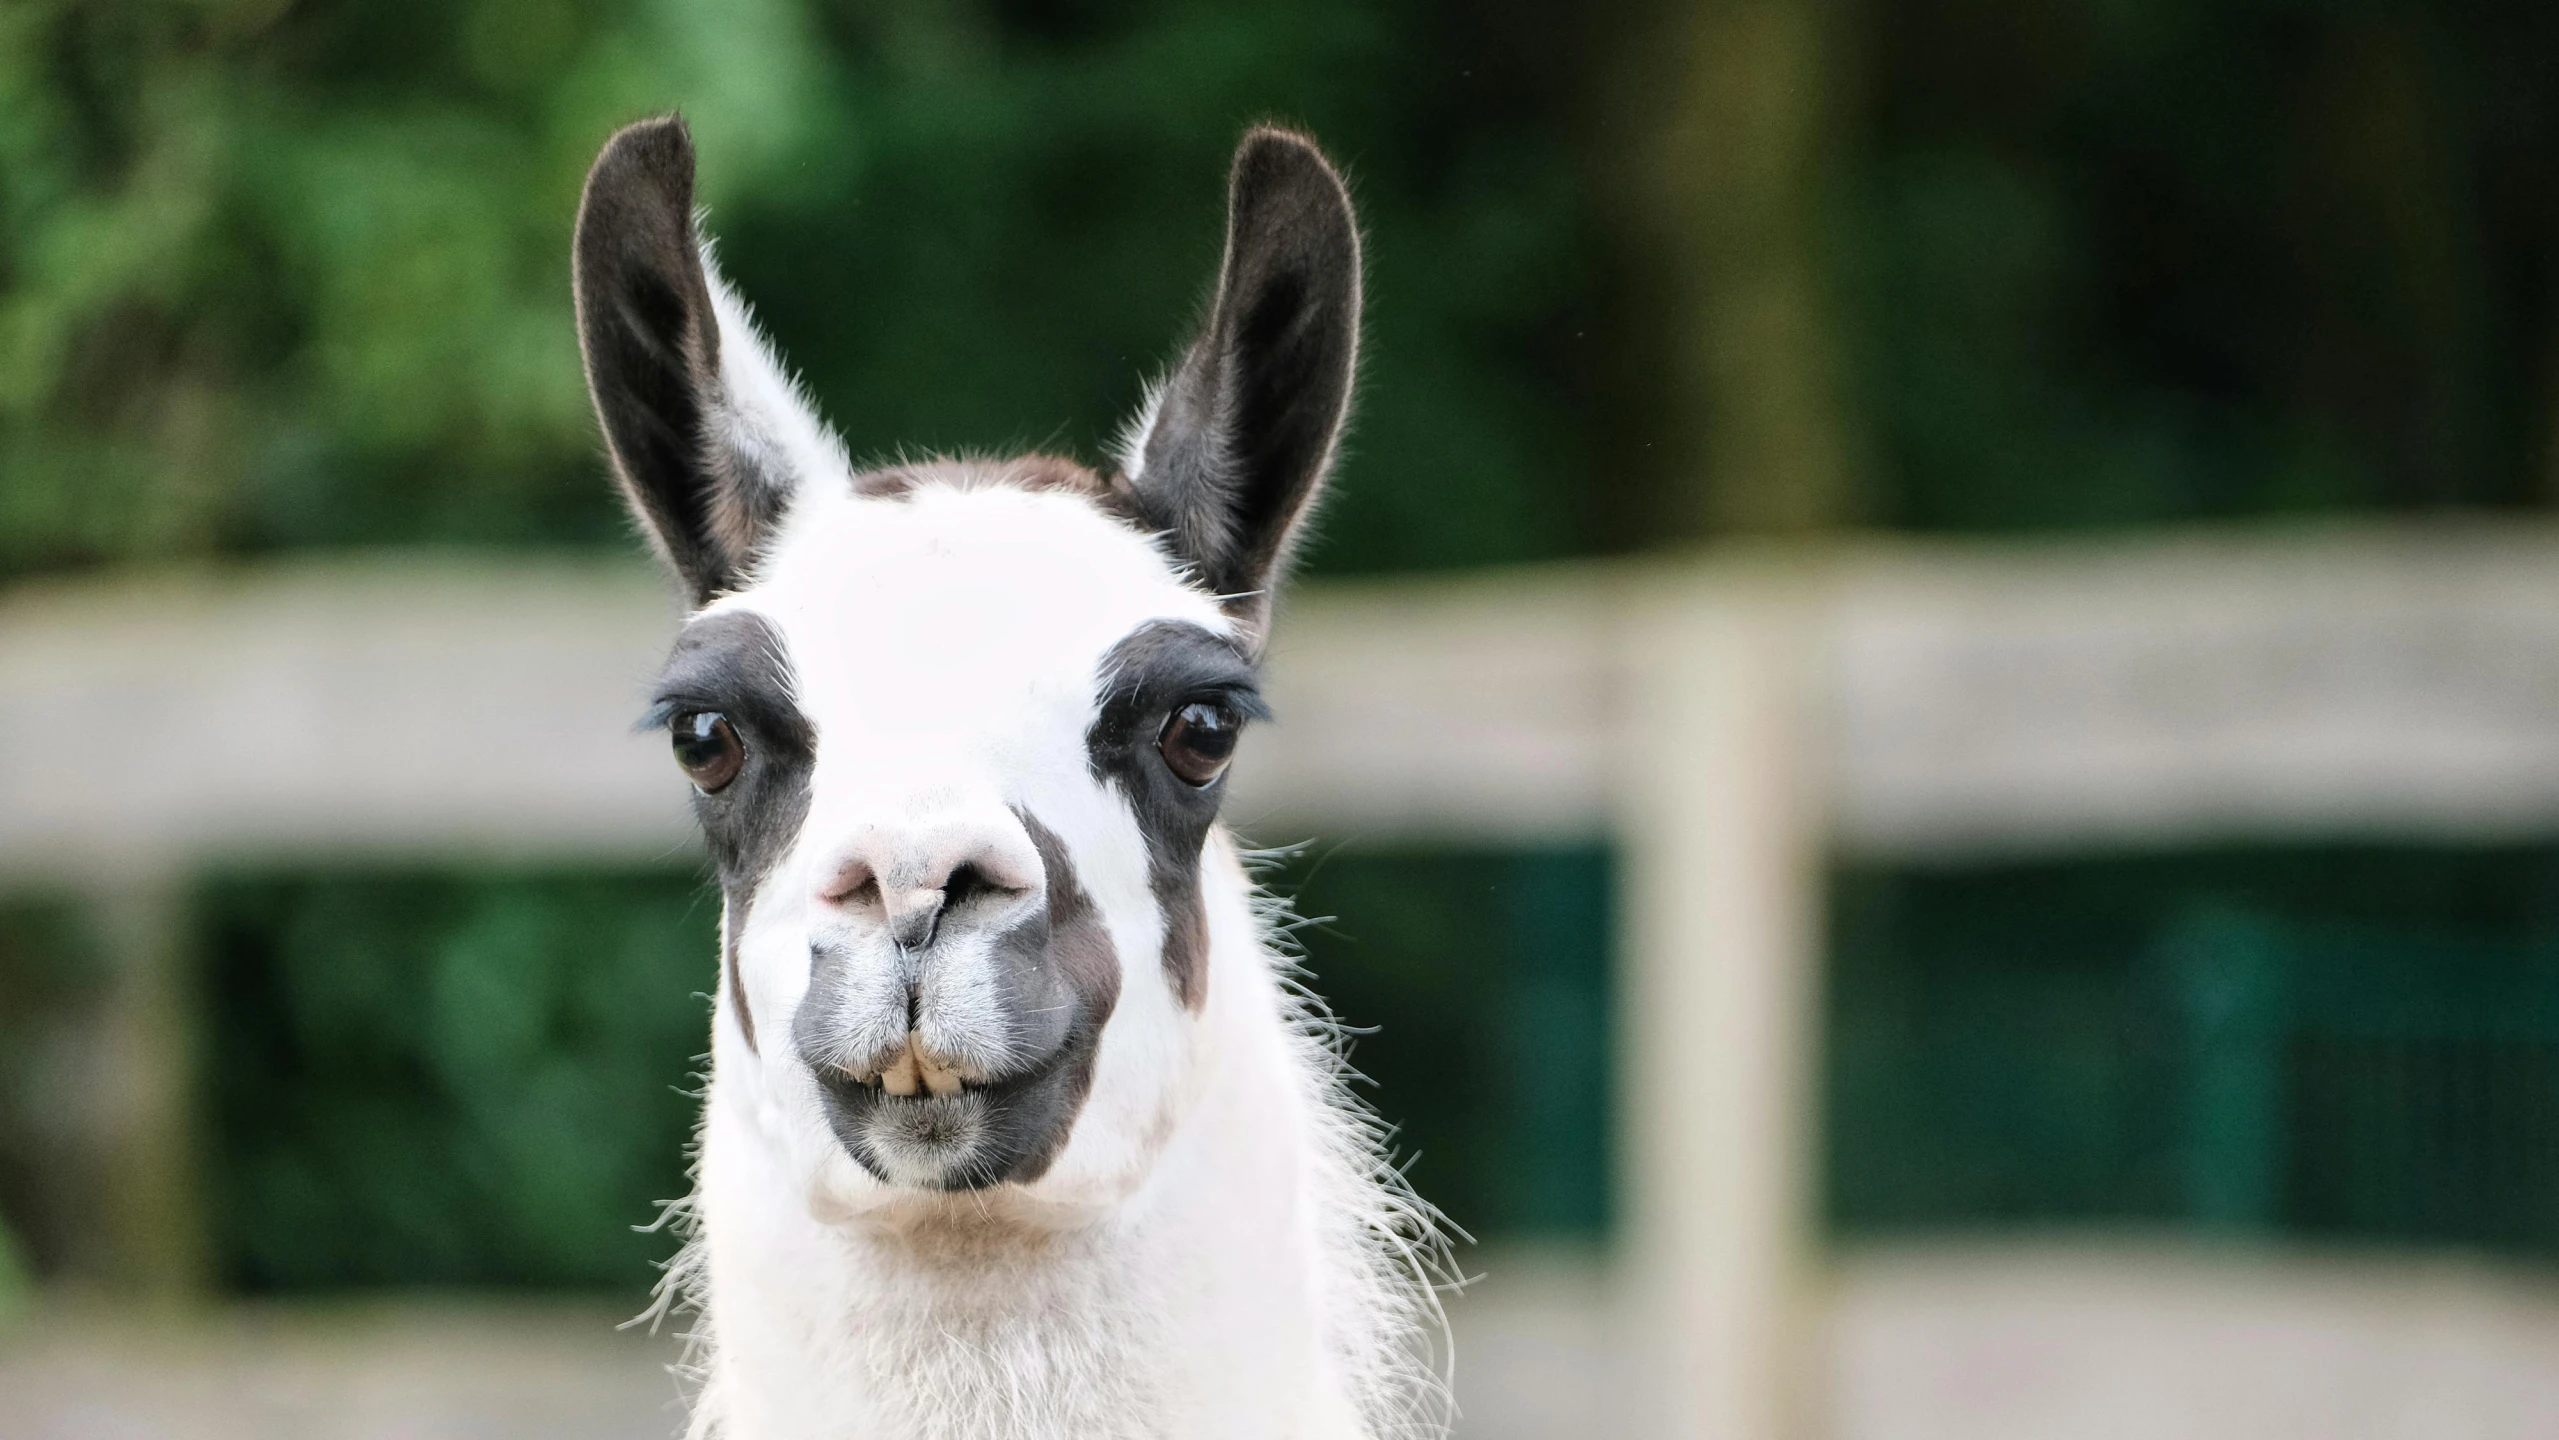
<point x="2129" y="425"/>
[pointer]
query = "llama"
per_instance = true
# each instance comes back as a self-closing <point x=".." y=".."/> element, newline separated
<point x="1017" y="1123"/>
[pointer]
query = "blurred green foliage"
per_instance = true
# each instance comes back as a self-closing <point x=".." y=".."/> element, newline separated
<point x="17" y="1283"/>
<point x="52" y="979"/>
<point x="2015" y="1043"/>
<point x="2109" y="263"/>
<point x="1475" y="983"/>
<point x="278" y="274"/>
<point x="452" y="1080"/>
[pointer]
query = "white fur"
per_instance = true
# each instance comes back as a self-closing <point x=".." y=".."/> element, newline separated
<point x="1219" y="1249"/>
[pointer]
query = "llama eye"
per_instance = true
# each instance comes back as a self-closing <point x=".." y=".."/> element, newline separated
<point x="1198" y="740"/>
<point x="706" y="745"/>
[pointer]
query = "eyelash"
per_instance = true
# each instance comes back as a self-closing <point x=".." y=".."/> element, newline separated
<point x="1244" y="700"/>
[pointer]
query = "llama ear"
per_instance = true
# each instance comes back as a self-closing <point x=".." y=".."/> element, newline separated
<point x="708" y="436"/>
<point x="1232" y="449"/>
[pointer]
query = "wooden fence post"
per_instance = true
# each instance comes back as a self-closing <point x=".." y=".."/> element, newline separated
<point x="144" y="1170"/>
<point x="1722" y="866"/>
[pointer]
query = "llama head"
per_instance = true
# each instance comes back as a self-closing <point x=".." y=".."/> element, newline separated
<point x="957" y="730"/>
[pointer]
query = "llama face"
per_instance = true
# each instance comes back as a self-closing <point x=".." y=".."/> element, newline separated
<point x="958" y="730"/>
<point x="940" y="847"/>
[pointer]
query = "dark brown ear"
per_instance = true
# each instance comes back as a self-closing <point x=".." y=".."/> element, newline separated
<point x="1231" y="454"/>
<point x="700" y="470"/>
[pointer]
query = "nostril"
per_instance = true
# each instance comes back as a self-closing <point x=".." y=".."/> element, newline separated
<point x="854" y="885"/>
<point x="965" y="884"/>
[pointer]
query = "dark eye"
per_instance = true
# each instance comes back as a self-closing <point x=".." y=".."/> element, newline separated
<point x="1198" y="740"/>
<point x="706" y="745"/>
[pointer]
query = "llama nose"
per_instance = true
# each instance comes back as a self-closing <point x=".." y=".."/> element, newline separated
<point x="909" y="894"/>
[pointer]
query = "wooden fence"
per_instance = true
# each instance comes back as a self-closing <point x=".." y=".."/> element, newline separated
<point x="1731" y="722"/>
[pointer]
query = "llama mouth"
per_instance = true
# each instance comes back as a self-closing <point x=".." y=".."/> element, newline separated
<point x="914" y="1074"/>
<point x="937" y="1130"/>
<point x="890" y="1091"/>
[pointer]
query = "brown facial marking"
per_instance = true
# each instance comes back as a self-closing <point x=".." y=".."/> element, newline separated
<point x="1186" y="939"/>
<point x="1080" y="946"/>
<point x="1034" y="473"/>
<point x="1153" y="672"/>
<point x="735" y="663"/>
<point x="733" y="920"/>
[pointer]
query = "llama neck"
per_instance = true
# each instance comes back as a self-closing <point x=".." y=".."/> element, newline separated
<point x="1196" y="1306"/>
